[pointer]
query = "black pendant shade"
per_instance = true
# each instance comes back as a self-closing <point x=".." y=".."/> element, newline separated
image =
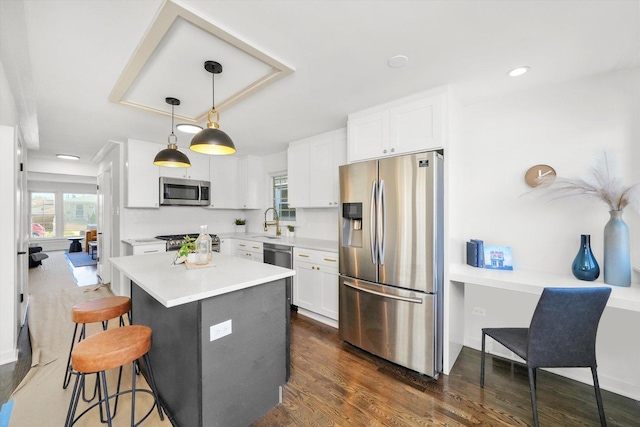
<point x="171" y="157"/>
<point x="212" y="140"/>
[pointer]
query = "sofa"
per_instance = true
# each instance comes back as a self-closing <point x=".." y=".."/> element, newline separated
<point x="36" y="256"/>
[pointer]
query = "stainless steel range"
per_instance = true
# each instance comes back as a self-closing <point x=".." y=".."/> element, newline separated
<point x="175" y="241"/>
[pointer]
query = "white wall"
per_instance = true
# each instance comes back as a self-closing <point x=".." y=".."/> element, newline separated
<point x="563" y="126"/>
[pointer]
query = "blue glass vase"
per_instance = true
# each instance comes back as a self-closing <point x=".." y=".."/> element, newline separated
<point x="585" y="266"/>
<point x="617" y="259"/>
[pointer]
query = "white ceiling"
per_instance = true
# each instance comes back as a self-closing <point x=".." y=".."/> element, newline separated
<point x="77" y="51"/>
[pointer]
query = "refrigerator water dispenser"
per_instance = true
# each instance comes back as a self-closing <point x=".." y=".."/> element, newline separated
<point x="352" y="224"/>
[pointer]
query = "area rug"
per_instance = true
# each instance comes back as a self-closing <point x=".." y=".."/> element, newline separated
<point x="80" y="259"/>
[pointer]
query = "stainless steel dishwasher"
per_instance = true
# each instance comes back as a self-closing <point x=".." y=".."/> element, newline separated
<point x="282" y="256"/>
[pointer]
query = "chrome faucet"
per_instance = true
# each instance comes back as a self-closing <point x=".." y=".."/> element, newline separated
<point x="276" y="222"/>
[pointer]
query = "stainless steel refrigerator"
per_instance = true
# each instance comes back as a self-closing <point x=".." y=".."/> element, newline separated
<point x="391" y="259"/>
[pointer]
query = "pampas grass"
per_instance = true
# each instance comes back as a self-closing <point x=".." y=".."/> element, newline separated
<point x="602" y="182"/>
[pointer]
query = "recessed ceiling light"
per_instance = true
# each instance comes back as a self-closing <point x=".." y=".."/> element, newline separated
<point x="188" y="128"/>
<point x="518" y="71"/>
<point x="67" y="156"/>
<point x="398" y="61"/>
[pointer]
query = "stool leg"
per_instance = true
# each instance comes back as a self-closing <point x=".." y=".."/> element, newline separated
<point x="103" y="376"/>
<point x="152" y="382"/>
<point x="67" y="374"/>
<point x="133" y="393"/>
<point x="73" y="403"/>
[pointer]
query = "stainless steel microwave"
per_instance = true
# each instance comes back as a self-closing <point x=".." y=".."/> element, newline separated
<point x="184" y="192"/>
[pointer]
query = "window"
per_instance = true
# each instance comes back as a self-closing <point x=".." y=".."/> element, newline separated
<point x="79" y="210"/>
<point x="281" y="199"/>
<point x="43" y="214"/>
<point x="76" y="211"/>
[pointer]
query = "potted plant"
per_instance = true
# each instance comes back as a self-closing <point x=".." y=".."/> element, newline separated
<point x="291" y="231"/>
<point x="186" y="251"/>
<point x="241" y="226"/>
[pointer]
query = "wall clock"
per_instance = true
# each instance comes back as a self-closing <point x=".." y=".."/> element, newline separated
<point x="539" y="175"/>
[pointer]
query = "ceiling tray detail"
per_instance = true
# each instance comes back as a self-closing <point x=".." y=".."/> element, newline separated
<point x="168" y="62"/>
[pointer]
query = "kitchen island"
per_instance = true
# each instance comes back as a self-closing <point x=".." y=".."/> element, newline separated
<point x="220" y="341"/>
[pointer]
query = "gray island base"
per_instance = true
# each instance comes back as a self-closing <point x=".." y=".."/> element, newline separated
<point x="220" y="341"/>
<point x="231" y="381"/>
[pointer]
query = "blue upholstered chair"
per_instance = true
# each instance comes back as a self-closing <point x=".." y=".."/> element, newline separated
<point x="562" y="334"/>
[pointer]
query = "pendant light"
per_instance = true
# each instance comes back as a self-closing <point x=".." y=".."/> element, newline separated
<point x="212" y="140"/>
<point x="171" y="157"/>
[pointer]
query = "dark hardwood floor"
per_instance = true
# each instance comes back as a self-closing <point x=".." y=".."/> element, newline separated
<point x="335" y="384"/>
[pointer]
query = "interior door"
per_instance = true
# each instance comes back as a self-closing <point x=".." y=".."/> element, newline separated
<point x="22" y="232"/>
<point x="105" y="219"/>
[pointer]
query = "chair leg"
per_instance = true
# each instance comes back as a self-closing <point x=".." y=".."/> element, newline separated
<point x="596" y="387"/>
<point x="532" y="386"/>
<point x="482" y="362"/>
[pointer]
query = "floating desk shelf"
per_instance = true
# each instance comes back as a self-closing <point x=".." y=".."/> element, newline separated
<point x="533" y="282"/>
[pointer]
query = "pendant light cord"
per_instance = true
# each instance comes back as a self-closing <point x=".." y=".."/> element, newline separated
<point x="213" y="91"/>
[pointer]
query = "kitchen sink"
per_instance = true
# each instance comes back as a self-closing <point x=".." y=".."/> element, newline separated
<point x="262" y="236"/>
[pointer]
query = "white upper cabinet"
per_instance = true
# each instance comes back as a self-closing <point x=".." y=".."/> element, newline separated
<point x="368" y="135"/>
<point x="408" y="125"/>
<point x="250" y="183"/>
<point x="223" y="173"/>
<point x="298" y="175"/>
<point x="142" y="176"/>
<point x="236" y="182"/>
<point x="199" y="169"/>
<point x="313" y="170"/>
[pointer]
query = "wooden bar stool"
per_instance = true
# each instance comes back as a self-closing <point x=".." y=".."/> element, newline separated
<point x="97" y="310"/>
<point x="107" y="350"/>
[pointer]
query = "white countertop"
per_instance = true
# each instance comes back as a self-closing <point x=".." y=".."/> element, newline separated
<point x="533" y="282"/>
<point x="173" y="285"/>
<point x="298" y="242"/>
<point x="142" y="242"/>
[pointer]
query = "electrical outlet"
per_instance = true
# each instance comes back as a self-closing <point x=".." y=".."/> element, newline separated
<point x="220" y="330"/>
<point x="479" y="311"/>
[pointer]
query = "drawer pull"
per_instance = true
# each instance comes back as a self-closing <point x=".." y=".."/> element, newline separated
<point x="242" y="245"/>
<point x="330" y="259"/>
<point x="303" y="255"/>
<point x="255" y="247"/>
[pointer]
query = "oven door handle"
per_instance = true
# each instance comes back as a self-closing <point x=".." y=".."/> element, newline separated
<point x="381" y="294"/>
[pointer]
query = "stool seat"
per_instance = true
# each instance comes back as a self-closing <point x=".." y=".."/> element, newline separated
<point x="111" y="349"/>
<point x="100" y="309"/>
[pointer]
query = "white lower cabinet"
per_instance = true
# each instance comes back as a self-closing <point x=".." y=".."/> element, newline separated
<point x="248" y="250"/>
<point x="132" y="249"/>
<point x="227" y="247"/>
<point x="315" y="285"/>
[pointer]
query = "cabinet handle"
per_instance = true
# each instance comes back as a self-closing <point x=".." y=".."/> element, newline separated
<point x="330" y="259"/>
<point x="313" y="268"/>
<point x="303" y="256"/>
<point x="255" y="247"/>
<point x="242" y="245"/>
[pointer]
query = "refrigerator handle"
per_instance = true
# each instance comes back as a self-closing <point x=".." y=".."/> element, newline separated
<point x="382" y="221"/>
<point x="380" y="294"/>
<point x="372" y="217"/>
